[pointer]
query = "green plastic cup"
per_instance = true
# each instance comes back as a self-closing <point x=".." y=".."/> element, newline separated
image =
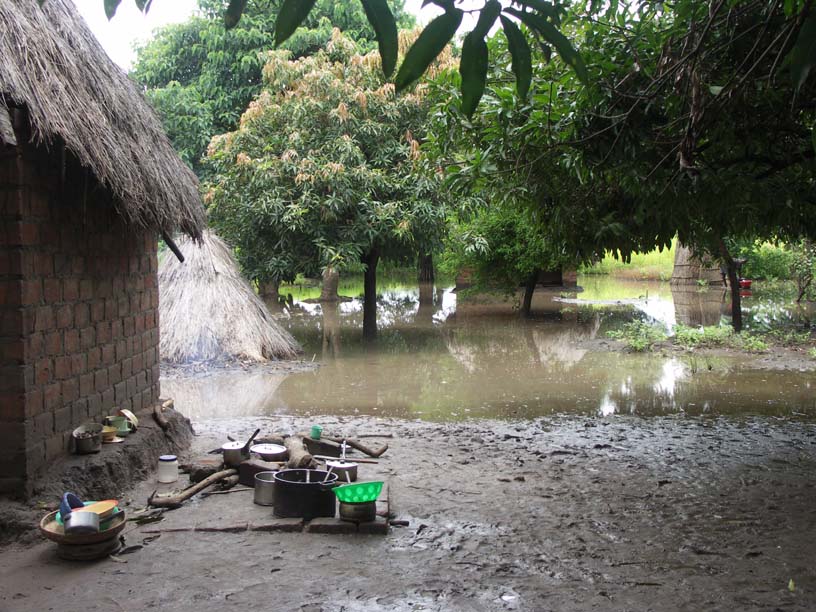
<point x="317" y="430"/>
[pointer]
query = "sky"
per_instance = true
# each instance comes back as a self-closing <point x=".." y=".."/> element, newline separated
<point x="129" y="26"/>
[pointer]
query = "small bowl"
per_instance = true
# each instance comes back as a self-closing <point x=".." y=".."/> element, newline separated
<point x="108" y="433"/>
<point x="130" y="417"/>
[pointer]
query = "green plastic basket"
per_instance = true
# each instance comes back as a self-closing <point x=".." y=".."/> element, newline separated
<point x="359" y="493"/>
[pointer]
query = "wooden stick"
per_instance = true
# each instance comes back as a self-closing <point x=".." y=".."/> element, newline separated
<point x="360" y="447"/>
<point x="348" y="459"/>
<point x="175" y="501"/>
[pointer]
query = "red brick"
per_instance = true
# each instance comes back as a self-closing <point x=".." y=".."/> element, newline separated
<point x="31" y="292"/>
<point x="62" y="368"/>
<point x="49" y="234"/>
<point x="94" y="358"/>
<point x="43" y="264"/>
<point x="139" y="324"/>
<point x="33" y="402"/>
<point x="70" y="290"/>
<point x="44" y="319"/>
<point x="71" y="341"/>
<point x="87" y="337"/>
<point x="51" y="396"/>
<point x="69" y="390"/>
<point x="55" y="447"/>
<point x="12" y="350"/>
<point x="97" y="311"/>
<point x="11" y="322"/>
<point x="65" y="316"/>
<point x="12" y="406"/>
<point x="85" y="289"/>
<point x="78" y="267"/>
<point x="114" y="374"/>
<point x="103" y="332"/>
<point x="86" y="385"/>
<point x="52" y="290"/>
<point x="43" y="371"/>
<point x="108" y="354"/>
<point x="111" y="309"/>
<point x="28" y="233"/>
<point x="79" y="364"/>
<point x="53" y="343"/>
<point x="82" y="315"/>
<point x="11" y="292"/>
<point x="100" y="380"/>
<point x="12" y="378"/>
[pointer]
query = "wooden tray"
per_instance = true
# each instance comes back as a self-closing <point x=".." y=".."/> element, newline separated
<point x="55" y="532"/>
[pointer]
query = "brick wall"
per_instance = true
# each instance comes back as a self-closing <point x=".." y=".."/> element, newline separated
<point x="78" y="309"/>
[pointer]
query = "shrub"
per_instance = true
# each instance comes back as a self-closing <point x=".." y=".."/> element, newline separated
<point x="639" y="335"/>
<point x="691" y="337"/>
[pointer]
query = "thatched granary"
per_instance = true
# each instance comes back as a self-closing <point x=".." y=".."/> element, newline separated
<point x="88" y="180"/>
<point x="208" y="311"/>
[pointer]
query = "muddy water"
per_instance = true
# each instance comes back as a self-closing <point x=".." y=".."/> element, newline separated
<point x="450" y="359"/>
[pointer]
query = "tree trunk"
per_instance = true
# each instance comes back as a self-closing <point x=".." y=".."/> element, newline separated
<point x="370" y="259"/>
<point x="733" y="281"/>
<point x="331" y="330"/>
<point x="331" y="279"/>
<point x="268" y="290"/>
<point x="425" y="311"/>
<point x="426" y="271"/>
<point x="529" y="289"/>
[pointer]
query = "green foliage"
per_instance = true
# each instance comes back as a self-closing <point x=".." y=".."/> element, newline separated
<point x="201" y="77"/>
<point x="325" y="169"/>
<point x="639" y="336"/>
<point x="654" y="265"/>
<point x="502" y="245"/>
<point x="765" y="260"/>
<point x="812" y="353"/>
<point x="702" y="337"/>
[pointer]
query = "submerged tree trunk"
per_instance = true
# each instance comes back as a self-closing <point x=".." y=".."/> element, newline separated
<point x="733" y="281"/>
<point x="529" y="289"/>
<point x="331" y="330"/>
<point x="426" y="271"/>
<point x="426" y="303"/>
<point x="331" y="279"/>
<point x="370" y="259"/>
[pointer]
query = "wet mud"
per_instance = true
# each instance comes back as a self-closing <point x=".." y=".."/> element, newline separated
<point x="558" y="513"/>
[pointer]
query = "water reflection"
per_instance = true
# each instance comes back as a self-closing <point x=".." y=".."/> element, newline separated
<point x="446" y="357"/>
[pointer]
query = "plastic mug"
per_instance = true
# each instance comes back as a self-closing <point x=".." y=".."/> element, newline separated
<point x="317" y="430"/>
<point x="122" y="425"/>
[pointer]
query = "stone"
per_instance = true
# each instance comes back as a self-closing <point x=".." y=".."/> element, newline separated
<point x="204" y="466"/>
<point x="250" y="467"/>
<point x="378" y="526"/>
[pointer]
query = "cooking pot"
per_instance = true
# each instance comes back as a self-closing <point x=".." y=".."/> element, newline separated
<point x="265" y="488"/>
<point x="361" y="512"/>
<point x="236" y="452"/>
<point x="305" y="493"/>
<point x="270" y="452"/>
<point x="88" y="438"/>
<point x="346" y="470"/>
<point x="76" y="523"/>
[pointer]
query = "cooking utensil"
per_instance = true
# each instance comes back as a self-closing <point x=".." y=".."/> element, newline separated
<point x="356" y="460"/>
<point x="361" y="512"/>
<point x="236" y="452"/>
<point x="265" y="488"/>
<point x="270" y="452"/>
<point x="130" y="417"/>
<point x="102" y="508"/>
<point x="81" y="523"/>
<point x="360" y="492"/>
<point x="346" y="470"/>
<point x="304" y="493"/>
<point x="88" y="438"/>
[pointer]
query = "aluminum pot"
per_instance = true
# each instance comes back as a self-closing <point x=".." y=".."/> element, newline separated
<point x="270" y="452"/>
<point x="346" y="470"/>
<point x="234" y="453"/>
<point x="305" y="493"/>
<point x="88" y="438"/>
<point x="362" y="512"/>
<point x="265" y="488"/>
<point x="79" y="523"/>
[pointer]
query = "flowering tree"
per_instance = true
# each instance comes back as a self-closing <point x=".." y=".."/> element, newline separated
<point x="325" y="171"/>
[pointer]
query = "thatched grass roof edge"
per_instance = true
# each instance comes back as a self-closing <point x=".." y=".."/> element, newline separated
<point x="54" y="67"/>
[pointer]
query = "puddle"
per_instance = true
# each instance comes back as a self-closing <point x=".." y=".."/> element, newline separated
<point x="453" y="359"/>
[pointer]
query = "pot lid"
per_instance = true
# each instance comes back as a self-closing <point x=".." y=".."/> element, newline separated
<point x="268" y="449"/>
<point x="232" y="445"/>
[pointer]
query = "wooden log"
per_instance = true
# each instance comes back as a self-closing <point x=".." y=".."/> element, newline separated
<point x="321" y="446"/>
<point x="360" y="446"/>
<point x="228" y="483"/>
<point x="175" y="501"/>
<point x="159" y="417"/>
<point x="299" y="457"/>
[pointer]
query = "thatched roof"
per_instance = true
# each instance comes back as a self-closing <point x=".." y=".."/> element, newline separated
<point x="53" y="66"/>
<point x="208" y="311"/>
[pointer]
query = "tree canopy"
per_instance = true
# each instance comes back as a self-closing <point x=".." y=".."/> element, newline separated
<point x="325" y="169"/>
<point x="201" y="77"/>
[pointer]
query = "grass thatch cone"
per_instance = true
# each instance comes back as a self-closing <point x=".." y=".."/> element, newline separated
<point x="208" y="311"/>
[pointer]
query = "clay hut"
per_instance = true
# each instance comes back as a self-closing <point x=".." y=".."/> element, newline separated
<point x="209" y="311"/>
<point x="88" y="181"/>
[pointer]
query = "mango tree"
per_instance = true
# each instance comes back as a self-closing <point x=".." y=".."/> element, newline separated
<point x="325" y="171"/>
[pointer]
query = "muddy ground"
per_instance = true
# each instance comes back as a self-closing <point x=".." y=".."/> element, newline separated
<point x="559" y="514"/>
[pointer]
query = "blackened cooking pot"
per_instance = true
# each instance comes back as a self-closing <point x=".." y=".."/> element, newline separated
<point x="305" y="493"/>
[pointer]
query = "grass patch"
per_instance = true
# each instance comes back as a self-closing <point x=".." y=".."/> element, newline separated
<point x="714" y="337"/>
<point x="654" y="265"/>
<point x="639" y="336"/>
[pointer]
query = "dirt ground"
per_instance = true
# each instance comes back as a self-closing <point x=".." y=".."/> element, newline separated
<point x="557" y="514"/>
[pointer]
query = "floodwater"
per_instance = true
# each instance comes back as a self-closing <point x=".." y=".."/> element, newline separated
<point x="455" y="357"/>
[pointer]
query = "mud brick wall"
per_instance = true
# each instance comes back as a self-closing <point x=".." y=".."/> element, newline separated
<point x="78" y="309"/>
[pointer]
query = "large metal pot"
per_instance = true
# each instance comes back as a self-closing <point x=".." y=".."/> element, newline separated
<point x="88" y="438"/>
<point x="305" y="493"/>
<point x="265" y="488"/>
<point x="234" y="453"/>
<point x="361" y="512"/>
